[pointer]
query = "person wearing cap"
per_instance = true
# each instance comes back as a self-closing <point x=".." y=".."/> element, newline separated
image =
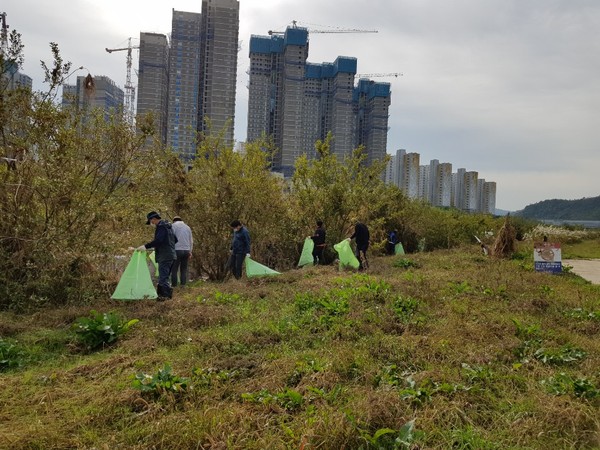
<point x="240" y="248"/>
<point x="164" y="249"/>
<point x="183" y="250"/>
<point x="361" y="233"/>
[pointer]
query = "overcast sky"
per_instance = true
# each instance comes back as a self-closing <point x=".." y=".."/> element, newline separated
<point x="508" y="88"/>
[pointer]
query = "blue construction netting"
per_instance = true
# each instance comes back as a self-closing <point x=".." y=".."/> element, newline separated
<point x="345" y="64"/>
<point x="260" y="44"/>
<point x="379" y="90"/>
<point x="313" y="70"/>
<point x="296" y="36"/>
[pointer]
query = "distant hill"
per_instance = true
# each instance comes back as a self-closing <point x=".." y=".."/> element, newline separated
<point x="582" y="209"/>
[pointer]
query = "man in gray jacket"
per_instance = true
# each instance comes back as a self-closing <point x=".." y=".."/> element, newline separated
<point x="183" y="248"/>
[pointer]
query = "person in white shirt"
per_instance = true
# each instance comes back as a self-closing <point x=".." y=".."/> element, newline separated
<point x="183" y="248"/>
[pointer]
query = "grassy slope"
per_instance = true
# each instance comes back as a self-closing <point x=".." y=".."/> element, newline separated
<point x="366" y="359"/>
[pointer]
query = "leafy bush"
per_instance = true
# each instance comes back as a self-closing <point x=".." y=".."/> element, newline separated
<point x="11" y="356"/>
<point x="101" y="329"/>
<point x="289" y="399"/>
<point x="564" y="384"/>
<point x="164" y="381"/>
<point x="405" y="263"/>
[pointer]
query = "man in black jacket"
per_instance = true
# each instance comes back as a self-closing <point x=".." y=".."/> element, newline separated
<point x="164" y="248"/>
<point x="319" y="240"/>
<point x="361" y="233"/>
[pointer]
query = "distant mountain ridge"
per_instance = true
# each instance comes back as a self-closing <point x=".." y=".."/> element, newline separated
<point x="582" y="209"/>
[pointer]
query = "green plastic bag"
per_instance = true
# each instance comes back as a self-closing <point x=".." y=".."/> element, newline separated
<point x="346" y="255"/>
<point x="306" y="258"/>
<point x="135" y="283"/>
<point x="254" y="269"/>
<point x="152" y="257"/>
<point x="399" y="249"/>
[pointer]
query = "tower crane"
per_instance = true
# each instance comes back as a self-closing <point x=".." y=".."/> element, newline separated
<point x="379" y="75"/>
<point x="129" y="87"/>
<point x="333" y="30"/>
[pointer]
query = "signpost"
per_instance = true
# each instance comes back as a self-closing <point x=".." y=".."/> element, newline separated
<point x="547" y="257"/>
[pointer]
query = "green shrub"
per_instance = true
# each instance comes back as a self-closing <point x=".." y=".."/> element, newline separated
<point x="11" y="356"/>
<point x="101" y="329"/>
<point x="164" y="381"/>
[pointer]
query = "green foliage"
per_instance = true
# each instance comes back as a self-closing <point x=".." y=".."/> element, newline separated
<point x="564" y="355"/>
<point x="336" y="190"/>
<point x="70" y="199"/>
<point x="207" y="378"/>
<point x="101" y="329"/>
<point x="288" y="399"/>
<point x="405" y="308"/>
<point x="582" y="209"/>
<point x="161" y="383"/>
<point x="405" y="263"/>
<point x="224" y="186"/>
<point x="390" y="439"/>
<point x="11" y="355"/>
<point x="580" y="313"/>
<point x="565" y="384"/>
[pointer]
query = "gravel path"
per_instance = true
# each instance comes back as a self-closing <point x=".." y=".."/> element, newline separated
<point x="585" y="268"/>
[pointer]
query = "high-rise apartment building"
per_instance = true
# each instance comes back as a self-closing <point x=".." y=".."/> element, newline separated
<point x="153" y="80"/>
<point x="218" y="66"/>
<point x="470" y="199"/>
<point x="184" y="84"/>
<point x="202" y="74"/>
<point x="371" y="102"/>
<point x="296" y="103"/>
<point x="486" y="191"/>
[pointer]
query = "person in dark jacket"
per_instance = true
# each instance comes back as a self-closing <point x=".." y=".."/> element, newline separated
<point x="361" y="234"/>
<point x="240" y="248"/>
<point x="319" y="240"/>
<point x="164" y="249"/>
<point x="393" y="239"/>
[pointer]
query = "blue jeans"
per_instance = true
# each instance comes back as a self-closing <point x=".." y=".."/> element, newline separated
<point x="180" y="265"/>
<point x="164" y="288"/>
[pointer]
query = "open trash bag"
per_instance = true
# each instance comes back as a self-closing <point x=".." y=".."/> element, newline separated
<point x="306" y="258"/>
<point x="346" y="255"/>
<point x="399" y="249"/>
<point x="254" y="269"/>
<point x="135" y="283"/>
<point x="153" y="259"/>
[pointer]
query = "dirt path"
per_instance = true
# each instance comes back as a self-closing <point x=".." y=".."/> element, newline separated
<point x="585" y="268"/>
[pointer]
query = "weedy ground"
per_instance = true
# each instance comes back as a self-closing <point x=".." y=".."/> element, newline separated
<point x="481" y="353"/>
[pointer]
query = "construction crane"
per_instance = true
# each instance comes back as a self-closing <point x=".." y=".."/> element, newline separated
<point x="379" y="75"/>
<point x="129" y="87"/>
<point x="333" y="30"/>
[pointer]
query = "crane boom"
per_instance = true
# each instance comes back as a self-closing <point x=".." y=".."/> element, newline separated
<point x="331" y="31"/>
<point x="379" y="75"/>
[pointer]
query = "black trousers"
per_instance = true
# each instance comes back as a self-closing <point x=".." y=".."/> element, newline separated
<point x="317" y="254"/>
<point x="235" y="264"/>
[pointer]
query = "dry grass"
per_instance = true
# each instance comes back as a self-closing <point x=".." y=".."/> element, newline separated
<point x="352" y="367"/>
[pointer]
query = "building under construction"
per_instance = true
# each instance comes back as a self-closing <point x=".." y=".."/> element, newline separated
<point x="297" y="103"/>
